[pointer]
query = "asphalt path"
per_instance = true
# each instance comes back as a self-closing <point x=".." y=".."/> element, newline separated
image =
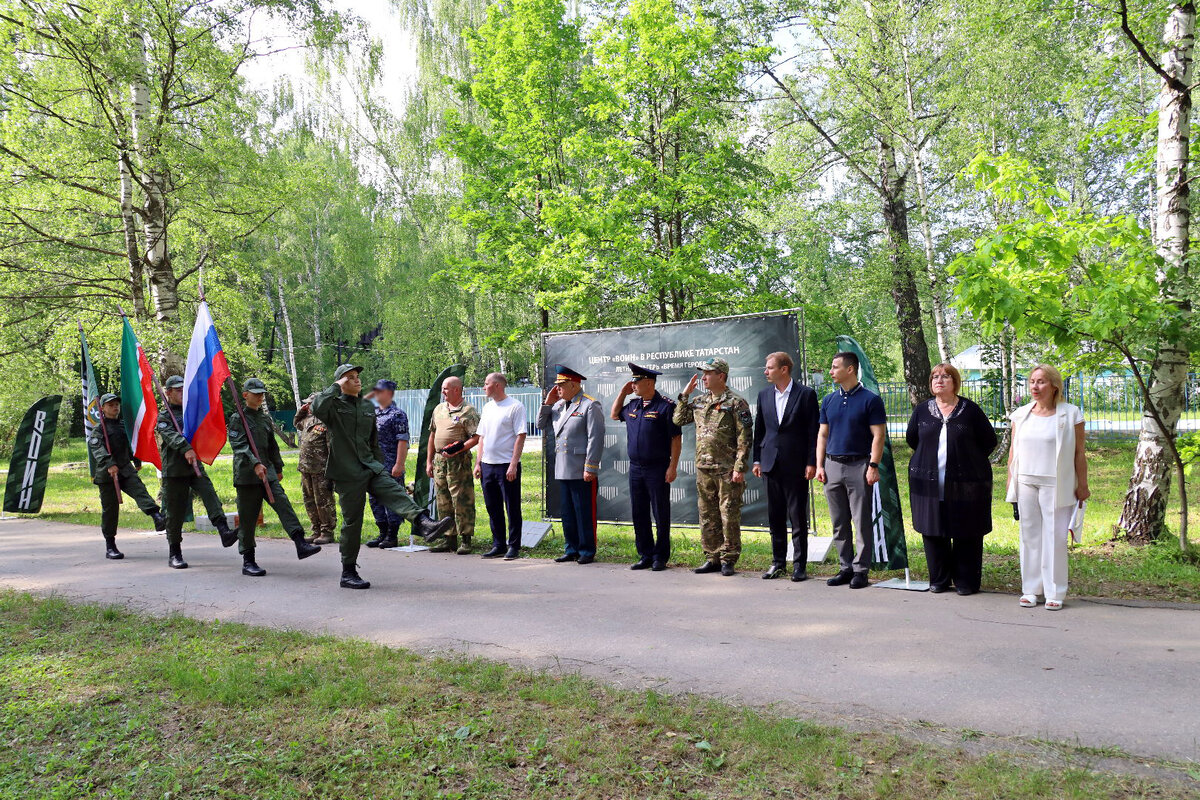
<point x="1096" y="675"/>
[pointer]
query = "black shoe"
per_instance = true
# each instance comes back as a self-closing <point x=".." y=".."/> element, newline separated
<point x="799" y="573"/>
<point x="859" y="581"/>
<point x="586" y="559"/>
<point x="388" y="543"/>
<point x="841" y="578"/>
<point x="111" y="551"/>
<point x="250" y="568"/>
<point x="658" y="566"/>
<point x="175" y="557"/>
<point x="303" y="548"/>
<point x="376" y="541"/>
<point x="774" y="571"/>
<point x="641" y="563"/>
<point x="513" y="554"/>
<point x="938" y="588"/>
<point x="496" y="551"/>
<point x="565" y="557"/>
<point x="429" y="529"/>
<point x="727" y="570"/>
<point x="160" y="522"/>
<point x="707" y="567"/>
<point x="228" y="537"/>
<point x="965" y="592"/>
<point x="350" y="579"/>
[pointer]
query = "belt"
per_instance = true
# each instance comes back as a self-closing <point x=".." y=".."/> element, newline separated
<point x="846" y="459"/>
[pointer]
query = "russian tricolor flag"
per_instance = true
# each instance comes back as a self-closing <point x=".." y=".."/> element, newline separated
<point x="207" y="371"/>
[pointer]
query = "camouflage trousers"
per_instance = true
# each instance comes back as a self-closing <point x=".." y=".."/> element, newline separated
<point x="454" y="487"/>
<point x="720" y="503"/>
<point x="319" y="503"/>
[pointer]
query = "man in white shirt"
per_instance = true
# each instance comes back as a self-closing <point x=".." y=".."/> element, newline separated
<point x="501" y="432"/>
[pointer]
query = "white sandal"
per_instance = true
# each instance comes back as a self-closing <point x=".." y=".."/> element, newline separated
<point x="1054" y="605"/>
<point x="1029" y="600"/>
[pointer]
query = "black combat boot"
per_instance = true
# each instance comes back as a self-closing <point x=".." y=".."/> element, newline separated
<point x="249" y="567"/>
<point x="430" y="530"/>
<point x="160" y="522"/>
<point x="228" y="537"/>
<point x="381" y="538"/>
<point x="350" y="579"/>
<point x="391" y="538"/>
<point x="175" y="557"/>
<point x="110" y="549"/>
<point x="303" y="548"/>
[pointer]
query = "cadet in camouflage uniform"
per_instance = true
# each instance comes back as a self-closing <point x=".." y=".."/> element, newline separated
<point x="318" y="490"/>
<point x="248" y="474"/>
<point x="120" y="462"/>
<point x="179" y="479"/>
<point x="723" y="439"/>
<point x="451" y="437"/>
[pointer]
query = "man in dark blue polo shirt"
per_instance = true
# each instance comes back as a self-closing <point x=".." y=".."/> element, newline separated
<point x="654" y="444"/>
<point x="849" y="446"/>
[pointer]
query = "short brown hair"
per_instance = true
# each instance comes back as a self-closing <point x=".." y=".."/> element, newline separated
<point x="950" y="370"/>
<point x="782" y="359"/>
<point x="1054" y="377"/>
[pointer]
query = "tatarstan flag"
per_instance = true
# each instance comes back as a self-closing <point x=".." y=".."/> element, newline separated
<point x="138" y="406"/>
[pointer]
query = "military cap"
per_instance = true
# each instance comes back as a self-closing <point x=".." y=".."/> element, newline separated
<point x="109" y="398"/>
<point x="343" y="369"/>
<point x="715" y="365"/>
<point x="384" y="385"/>
<point x="642" y="372"/>
<point x="563" y="374"/>
<point x="173" y="382"/>
<point x="254" y="385"/>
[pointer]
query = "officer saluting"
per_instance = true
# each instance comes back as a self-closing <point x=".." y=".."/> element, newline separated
<point x="577" y="425"/>
<point x="654" y="444"/>
<point x="179" y="478"/>
<point x="110" y="451"/>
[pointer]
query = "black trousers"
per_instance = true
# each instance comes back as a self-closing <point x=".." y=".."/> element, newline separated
<point x="787" y="507"/>
<point x="650" y="497"/>
<point x="499" y="494"/>
<point x="954" y="560"/>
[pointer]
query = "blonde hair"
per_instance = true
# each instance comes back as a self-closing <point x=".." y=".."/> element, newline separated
<point x="950" y="370"/>
<point x="1053" y="376"/>
<point x="782" y="359"/>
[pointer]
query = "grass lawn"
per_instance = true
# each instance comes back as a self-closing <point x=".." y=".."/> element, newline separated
<point x="1099" y="566"/>
<point x="98" y="702"/>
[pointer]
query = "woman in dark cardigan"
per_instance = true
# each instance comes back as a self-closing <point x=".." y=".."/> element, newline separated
<point x="950" y="482"/>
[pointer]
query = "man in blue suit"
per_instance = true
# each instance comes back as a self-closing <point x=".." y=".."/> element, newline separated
<point x="785" y="457"/>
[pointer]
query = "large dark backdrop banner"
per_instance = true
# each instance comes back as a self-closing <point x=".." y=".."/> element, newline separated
<point x="673" y="349"/>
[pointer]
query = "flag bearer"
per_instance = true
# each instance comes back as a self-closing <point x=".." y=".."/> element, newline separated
<point x="110" y="450"/>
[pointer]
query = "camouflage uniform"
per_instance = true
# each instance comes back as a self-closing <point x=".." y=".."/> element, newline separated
<point x="318" y="490"/>
<point x="453" y="479"/>
<point x="723" y="439"/>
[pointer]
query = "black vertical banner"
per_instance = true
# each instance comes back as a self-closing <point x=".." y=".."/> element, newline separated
<point x="675" y="350"/>
<point x="31" y="457"/>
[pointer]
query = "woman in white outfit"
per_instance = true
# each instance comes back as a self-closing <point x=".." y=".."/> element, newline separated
<point x="1047" y="478"/>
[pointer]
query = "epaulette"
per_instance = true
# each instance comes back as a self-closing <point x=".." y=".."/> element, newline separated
<point x="589" y="397"/>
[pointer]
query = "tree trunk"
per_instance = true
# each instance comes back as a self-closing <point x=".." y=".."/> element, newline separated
<point x="137" y="274"/>
<point x="1144" y="512"/>
<point x="291" y="349"/>
<point x="913" y="348"/>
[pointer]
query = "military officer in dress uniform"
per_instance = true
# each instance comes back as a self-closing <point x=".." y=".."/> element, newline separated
<point x="248" y="473"/>
<point x="356" y="467"/>
<point x="179" y="479"/>
<point x="577" y="425"/>
<point x="110" y="451"/>
<point x="391" y="425"/>
<point x="654" y="444"/>
<point x="723" y="441"/>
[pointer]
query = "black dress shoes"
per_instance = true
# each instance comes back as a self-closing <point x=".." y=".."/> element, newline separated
<point x="513" y="554"/>
<point x="727" y="570"/>
<point x="586" y="559"/>
<point x="841" y="579"/>
<point x="707" y="567"/>
<point x="774" y="571"/>
<point x="964" y="592"/>
<point x="799" y="573"/>
<point x="859" y="581"/>
<point x="641" y="563"/>
<point x="565" y="557"/>
<point x="658" y="566"/>
<point x="495" y="552"/>
<point x="938" y="588"/>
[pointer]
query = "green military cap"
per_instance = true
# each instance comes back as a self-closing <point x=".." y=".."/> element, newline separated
<point x="343" y="369"/>
<point x="715" y="365"/>
<point x="254" y="385"/>
<point x="173" y="382"/>
<point x="109" y="398"/>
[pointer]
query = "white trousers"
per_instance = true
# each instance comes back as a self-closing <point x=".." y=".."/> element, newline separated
<point x="1043" y="541"/>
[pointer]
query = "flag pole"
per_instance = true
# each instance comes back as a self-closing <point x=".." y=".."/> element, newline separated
<point x="175" y="422"/>
<point x="108" y="447"/>
<point x="237" y="402"/>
